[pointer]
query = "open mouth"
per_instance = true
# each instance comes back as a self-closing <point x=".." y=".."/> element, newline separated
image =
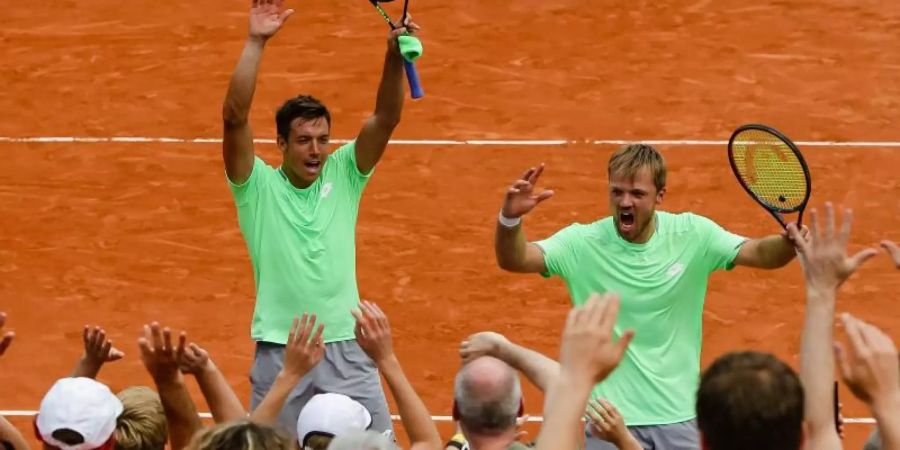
<point x="313" y="165"/>
<point x="626" y="221"/>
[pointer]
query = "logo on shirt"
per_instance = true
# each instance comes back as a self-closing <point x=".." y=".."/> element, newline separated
<point x="326" y="189"/>
<point x="675" y="269"/>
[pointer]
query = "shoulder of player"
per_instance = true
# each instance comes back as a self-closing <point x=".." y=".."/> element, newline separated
<point x="683" y="222"/>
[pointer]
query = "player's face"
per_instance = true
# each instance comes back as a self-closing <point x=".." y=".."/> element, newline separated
<point x="633" y="201"/>
<point x="306" y="149"/>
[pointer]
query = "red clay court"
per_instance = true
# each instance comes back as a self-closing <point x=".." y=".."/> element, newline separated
<point x="121" y="233"/>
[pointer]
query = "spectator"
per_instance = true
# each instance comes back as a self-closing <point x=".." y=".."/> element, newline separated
<point x="588" y="355"/>
<point x="826" y="266"/>
<point x="78" y="414"/>
<point x="328" y="415"/>
<point x="142" y="424"/>
<point x="605" y="420"/>
<point x="750" y="401"/>
<point x="241" y="435"/>
<point x="487" y="400"/>
<point x="10" y="437"/>
<point x="363" y="440"/>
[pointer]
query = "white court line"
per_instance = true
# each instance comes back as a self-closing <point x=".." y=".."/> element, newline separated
<point x="475" y="142"/>
<point x="864" y="420"/>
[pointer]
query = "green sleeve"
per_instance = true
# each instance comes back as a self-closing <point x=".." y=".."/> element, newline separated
<point x="560" y="251"/>
<point x="721" y="246"/>
<point x="345" y="159"/>
<point x="247" y="193"/>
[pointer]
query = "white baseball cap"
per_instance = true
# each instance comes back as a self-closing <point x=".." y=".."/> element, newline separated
<point x="82" y="405"/>
<point x="331" y="415"/>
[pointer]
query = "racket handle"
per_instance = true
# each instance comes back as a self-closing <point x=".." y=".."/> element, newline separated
<point x="412" y="76"/>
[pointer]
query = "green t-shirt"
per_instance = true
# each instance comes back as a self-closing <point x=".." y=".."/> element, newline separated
<point x="302" y="244"/>
<point x="662" y="284"/>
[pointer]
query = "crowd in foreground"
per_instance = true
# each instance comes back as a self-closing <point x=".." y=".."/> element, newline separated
<point x="746" y="399"/>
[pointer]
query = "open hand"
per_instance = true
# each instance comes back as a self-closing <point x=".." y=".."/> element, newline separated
<point x="267" y="17"/>
<point x="824" y="259"/>
<point x="521" y="197"/>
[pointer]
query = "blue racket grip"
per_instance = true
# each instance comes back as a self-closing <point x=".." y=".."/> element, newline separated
<point x="412" y="76"/>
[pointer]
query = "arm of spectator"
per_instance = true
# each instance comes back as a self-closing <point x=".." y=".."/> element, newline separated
<point x="11" y="437"/>
<point x="161" y="360"/>
<point x="373" y="333"/>
<point x="223" y="402"/>
<point x="304" y="349"/>
<point x="98" y="350"/>
<point x="868" y="365"/>
<point x="5" y="338"/>
<point x="893" y="250"/>
<point x="607" y="424"/>
<point x="588" y="355"/>
<point x="539" y="369"/>
<point x="825" y="267"/>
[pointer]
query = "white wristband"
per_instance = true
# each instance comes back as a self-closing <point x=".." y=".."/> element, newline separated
<point x="508" y="222"/>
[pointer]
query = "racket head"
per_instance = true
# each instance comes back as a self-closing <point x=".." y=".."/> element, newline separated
<point x="770" y="167"/>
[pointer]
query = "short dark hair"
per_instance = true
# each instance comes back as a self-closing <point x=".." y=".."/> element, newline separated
<point x="749" y="401"/>
<point x="305" y="107"/>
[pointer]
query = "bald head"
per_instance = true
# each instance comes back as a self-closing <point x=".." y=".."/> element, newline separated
<point x="488" y="396"/>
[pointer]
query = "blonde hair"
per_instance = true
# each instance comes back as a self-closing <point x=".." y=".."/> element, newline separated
<point x="629" y="160"/>
<point x="142" y="424"/>
<point x="241" y="435"/>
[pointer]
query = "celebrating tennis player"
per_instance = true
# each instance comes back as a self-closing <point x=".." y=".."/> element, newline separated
<point x="299" y="222"/>
<point x="659" y="263"/>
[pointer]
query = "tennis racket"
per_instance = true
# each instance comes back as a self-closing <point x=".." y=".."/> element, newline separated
<point x="412" y="76"/>
<point x="771" y="169"/>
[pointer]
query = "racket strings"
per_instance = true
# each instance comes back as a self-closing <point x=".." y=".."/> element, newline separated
<point x="770" y="169"/>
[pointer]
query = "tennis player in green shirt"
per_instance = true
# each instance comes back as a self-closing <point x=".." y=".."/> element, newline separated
<point x="660" y="264"/>
<point x="299" y="222"/>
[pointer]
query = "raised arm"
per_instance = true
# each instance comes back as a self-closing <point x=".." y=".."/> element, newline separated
<point x="98" y="350"/>
<point x="5" y="338"/>
<point x="223" y="402"/>
<point x="161" y="360"/>
<point x="373" y="333"/>
<point x="377" y="130"/>
<point x="8" y="433"/>
<point x="770" y="252"/>
<point x="588" y="355"/>
<point x="304" y="349"/>
<point x="825" y="266"/>
<point x="513" y="251"/>
<point x="869" y="367"/>
<point x="539" y="369"/>
<point x="893" y="250"/>
<point x="266" y="18"/>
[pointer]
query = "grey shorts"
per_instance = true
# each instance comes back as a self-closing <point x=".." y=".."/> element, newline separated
<point x="676" y="436"/>
<point x="345" y="369"/>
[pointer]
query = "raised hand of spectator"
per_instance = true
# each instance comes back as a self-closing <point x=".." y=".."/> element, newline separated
<point x="303" y="350"/>
<point x="893" y="250"/>
<point x="194" y="360"/>
<point x="589" y="349"/>
<point x="223" y="403"/>
<point x="486" y="343"/>
<point x="373" y="332"/>
<point x="868" y="364"/>
<point x="588" y="354"/>
<point x="98" y="350"/>
<point x="824" y="258"/>
<point x="7" y="337"/>
<point x="305" y="347"/>
<point x="159" y="356"/>
<point x="606" y="423"/>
